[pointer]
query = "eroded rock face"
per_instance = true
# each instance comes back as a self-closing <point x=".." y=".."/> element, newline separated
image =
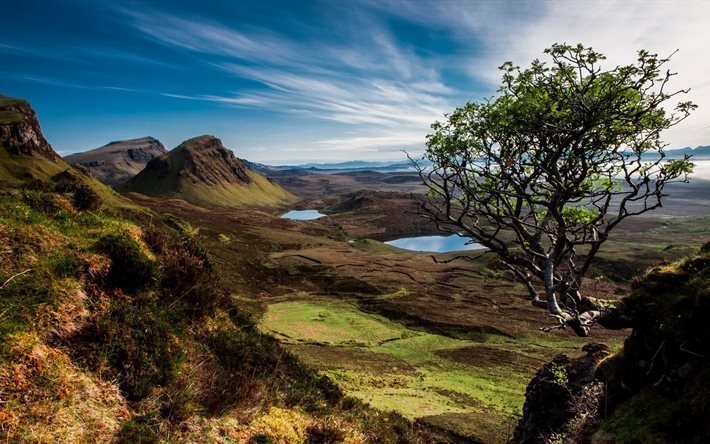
<point x="207" y="161"/>
<point x="20" y="132"/>
<point x="562" y="400"/>
<point x="118" y="161"/>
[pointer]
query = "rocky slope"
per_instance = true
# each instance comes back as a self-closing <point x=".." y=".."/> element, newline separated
<point x="118" y="161"/>
<point x="654" y="391"/>
<point x="202" y="170"/>
<point x="20" y="133"/>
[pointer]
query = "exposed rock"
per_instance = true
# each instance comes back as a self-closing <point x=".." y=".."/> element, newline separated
<point x="562" y="400"/>
<point x="208" y="161"/>
<point x="20" y="132"/>
<point x="655" y="391"/>
<point x="118" y="161"/>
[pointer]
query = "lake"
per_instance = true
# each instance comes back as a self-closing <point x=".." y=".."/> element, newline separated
<point x="303" y="215"/>
<point x="435" y="244"/>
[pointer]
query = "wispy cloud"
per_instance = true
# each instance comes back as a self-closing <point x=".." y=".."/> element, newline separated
<point x="520" y="30"/>
<point x="376" y="86"/>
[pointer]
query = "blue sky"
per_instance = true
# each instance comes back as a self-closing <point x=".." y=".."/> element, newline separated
<point x="300" y="81"/>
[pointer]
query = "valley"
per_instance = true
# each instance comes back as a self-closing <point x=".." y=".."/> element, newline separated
<point x="301" y="274"/>
<point x="450" y="344"/>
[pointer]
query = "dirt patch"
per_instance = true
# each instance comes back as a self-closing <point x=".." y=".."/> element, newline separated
<point x="485" y="356"/>
<point x="345" y="358"/>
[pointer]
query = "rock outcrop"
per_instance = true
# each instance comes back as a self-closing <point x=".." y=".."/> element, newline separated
<point x="118" y="161"/>
<point x="562" y="400"/>
<point x="208" y="162"/>
<point x="654" y="391"/>
<point x="20" y="133"/>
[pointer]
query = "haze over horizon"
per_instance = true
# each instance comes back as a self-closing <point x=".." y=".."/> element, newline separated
<point x="284" y="82"/>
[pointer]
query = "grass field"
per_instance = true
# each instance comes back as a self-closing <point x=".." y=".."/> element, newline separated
<point x="419" y="374"/>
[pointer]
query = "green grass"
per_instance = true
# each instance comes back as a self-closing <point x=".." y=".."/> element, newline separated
<point x="16" y="169"/>
<point x="328" y="323"/>
<point x="395" y="368"/>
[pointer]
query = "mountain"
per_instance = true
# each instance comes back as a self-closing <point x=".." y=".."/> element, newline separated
<point x="118" y="161"/>
<point x="202" y="170"/>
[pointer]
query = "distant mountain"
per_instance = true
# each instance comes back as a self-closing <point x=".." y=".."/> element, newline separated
<point x="118" y="161"/>
<point x="702" y="151"/>
<point x="698" y="151"/>
<point x="202" y="170"/>
<point x="339" y="167"/>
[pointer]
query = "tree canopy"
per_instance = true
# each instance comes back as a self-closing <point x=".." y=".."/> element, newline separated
<point x="542" y="173"/>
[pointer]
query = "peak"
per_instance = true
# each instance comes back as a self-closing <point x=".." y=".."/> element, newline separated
<point x="146" y="139"/>
<point x="20" y="132"/>
<point x="201" y="142"/>
<point x="118" y="161"/>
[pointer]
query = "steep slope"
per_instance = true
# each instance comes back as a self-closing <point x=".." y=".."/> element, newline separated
<point x="115" y="332"/>
<point x="26" y="156"/>
<point x="24" y="152"/>
<point x="118" y="161"/>
<point x="202" y="170"/>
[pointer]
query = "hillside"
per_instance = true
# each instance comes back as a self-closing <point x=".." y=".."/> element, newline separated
<point x="118" y="161"/>
<point x="202" y="170"/>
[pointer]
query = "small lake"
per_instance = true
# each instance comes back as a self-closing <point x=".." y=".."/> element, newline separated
<point x="435" y="244"/>
<point x="303" y="215"/>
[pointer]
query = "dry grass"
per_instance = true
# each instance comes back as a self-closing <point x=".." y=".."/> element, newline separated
<point x="46" y="398"/>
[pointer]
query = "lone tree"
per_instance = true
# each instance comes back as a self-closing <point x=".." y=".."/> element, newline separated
<point x="544" y="172"/>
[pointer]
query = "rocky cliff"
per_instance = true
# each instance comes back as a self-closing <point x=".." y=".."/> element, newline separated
<point x="118" y="161"/>
<point x="20" y="133"/>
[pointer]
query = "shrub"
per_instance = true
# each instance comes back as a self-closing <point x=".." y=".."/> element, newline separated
<point x="65" y="182"/>
<point x="324" y="433"/>
<point x="131" y="270"/>
<point x="37" y="185"/>
<point x="47" y="203"/>
<point x="137" y="343"/>
<point x="86" y="199"/>
<point x="188" y="277"/>
<point x="139" y="430"/>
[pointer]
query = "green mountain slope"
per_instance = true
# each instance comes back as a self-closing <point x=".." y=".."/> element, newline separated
<point x="25" y="155"/>
<point x="202" y="170"/>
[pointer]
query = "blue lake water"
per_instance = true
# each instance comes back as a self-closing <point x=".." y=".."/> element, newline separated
<point x="435" y="244"/>
<point x="303" y="214"/>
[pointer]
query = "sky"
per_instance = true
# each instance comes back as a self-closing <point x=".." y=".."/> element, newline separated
<point x="287" y="82"/>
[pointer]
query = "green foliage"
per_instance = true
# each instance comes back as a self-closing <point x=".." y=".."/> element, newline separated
<point x="136" y="342"/>
<point x="86" y="199"/>
<point x="579" y="215"/>
<point x="131" y="270"/>
<point x="552" y="162"/>
<point x="559" y="374"/>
